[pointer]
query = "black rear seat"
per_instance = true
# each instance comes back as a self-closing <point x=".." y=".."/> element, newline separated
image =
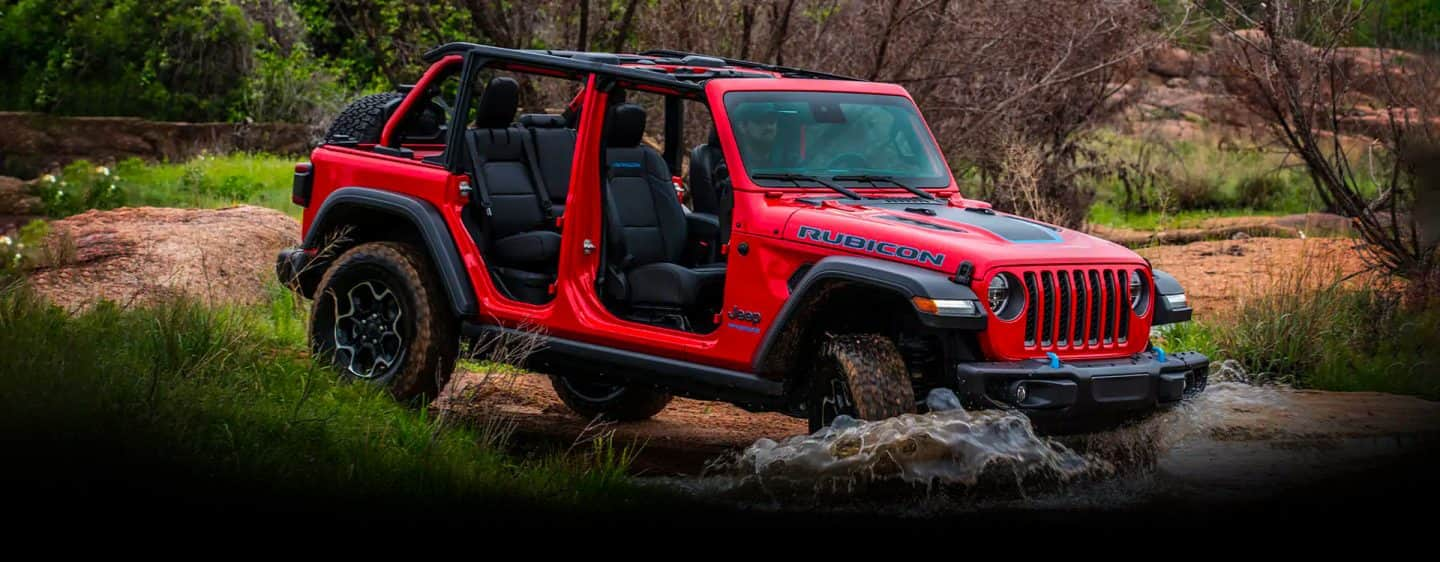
<point x="554" y="149"/>
<point x="522" y="245"/>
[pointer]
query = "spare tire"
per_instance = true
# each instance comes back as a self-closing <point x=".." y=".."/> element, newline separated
<point x="364" y="119"/>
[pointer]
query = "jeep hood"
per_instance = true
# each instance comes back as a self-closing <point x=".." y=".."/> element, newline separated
<point x="940" y="235"/>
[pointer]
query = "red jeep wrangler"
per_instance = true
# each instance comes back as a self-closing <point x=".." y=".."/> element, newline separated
<point x="816" y="258"/>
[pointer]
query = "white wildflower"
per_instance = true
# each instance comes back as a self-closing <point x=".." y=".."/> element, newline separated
<point x="5" y="241"/>
<point x="49" y="178"/>
<point x="102" y="170"/>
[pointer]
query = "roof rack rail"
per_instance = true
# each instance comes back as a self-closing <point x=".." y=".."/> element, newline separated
<point x="671" y="53"/>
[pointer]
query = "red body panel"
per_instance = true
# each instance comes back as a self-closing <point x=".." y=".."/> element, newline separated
<point x="765" y="219"/>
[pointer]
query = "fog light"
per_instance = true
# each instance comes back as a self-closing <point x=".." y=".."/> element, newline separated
<point x="1018" y="392"/>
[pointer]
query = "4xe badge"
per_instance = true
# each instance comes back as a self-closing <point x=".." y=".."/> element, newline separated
<point x="878" y="247"/>
<point x="739" y="315"/>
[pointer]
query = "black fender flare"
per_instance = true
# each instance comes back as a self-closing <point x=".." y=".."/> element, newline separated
<point x="1165" y="313"/>
<point x="906" y="281"/>
<point x="422" y="215"/>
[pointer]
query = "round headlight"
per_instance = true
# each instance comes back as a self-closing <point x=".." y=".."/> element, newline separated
<point x="1137" y="292"/>
<point x="999" y="293"/>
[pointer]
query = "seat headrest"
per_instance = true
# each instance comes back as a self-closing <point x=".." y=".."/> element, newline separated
<point x="714" y="139"/>
<point x="542" y="121"/>
<point x="498" y="104"/>
<point x="625" y="126"/>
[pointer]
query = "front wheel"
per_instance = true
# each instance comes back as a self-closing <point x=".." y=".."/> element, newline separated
<point x="379" y="316"/>
<point x="861" y="376"/>
<point x="615" y="402"/>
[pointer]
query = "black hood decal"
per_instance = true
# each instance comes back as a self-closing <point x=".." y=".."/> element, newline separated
<point x="1012" y="229"/>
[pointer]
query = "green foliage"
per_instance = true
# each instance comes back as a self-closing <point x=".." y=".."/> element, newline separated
<point x="378" y="43"/>
<point x="1149" y="180"/>
<point x="294" y="87"/>
<point x="81" y="186"/>
<point x="164" y="59"/>
<point x="228" y="394"/>
<point x="1333" y="339"/>
<point x="1402" y="24"/>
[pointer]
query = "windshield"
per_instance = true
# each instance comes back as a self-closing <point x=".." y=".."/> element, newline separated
<point x="827" y="134"/>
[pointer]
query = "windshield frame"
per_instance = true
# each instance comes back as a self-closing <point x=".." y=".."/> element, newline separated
<point x="921" y="139"/>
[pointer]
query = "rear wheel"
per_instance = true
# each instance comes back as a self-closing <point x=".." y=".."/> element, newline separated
<point x="861" y="376"/>
<point x="616" y="402"/>
<point x="379" y="316"/>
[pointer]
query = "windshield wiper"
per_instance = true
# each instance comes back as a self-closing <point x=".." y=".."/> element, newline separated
<point x="797" y="178"/>
<point x="888" y="179"/>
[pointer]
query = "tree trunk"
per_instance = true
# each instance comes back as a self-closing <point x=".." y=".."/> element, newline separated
<point x="582" y="39"/>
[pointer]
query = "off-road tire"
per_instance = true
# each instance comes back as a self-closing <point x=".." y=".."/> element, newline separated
<point x="428" y="329"/>
<point x="364" y="119"/>
<point x="620" y="403"/>
<point x="859" y="375"/>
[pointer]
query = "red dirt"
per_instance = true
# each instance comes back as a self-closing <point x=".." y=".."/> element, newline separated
<point x="1219" y="275"/>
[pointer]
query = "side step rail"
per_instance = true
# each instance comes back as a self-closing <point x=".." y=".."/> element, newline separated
<point x="587" y="361"/>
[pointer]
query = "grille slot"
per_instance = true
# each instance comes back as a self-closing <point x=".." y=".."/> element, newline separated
<point x="1076" y="308"/>
<point x="1047" y="310"/>
<point x="1122" y="282"/>
<point x="1081" y="300"/>
<point x="1062" y="332"/>
<point x="1109" y="305"/>
<point x="1030" y="306"/>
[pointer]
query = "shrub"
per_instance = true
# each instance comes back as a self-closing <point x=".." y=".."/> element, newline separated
<point x="293" y="87"/>
<point x="1259" y="192"/>
<point x="79" y="187"/>
<point x="162" y="59"/>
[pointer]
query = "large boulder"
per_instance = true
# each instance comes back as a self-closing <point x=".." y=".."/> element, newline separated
<point x="137" y="255"/>
<point x="1171" y="62"/>
<point x="15" y="198"/>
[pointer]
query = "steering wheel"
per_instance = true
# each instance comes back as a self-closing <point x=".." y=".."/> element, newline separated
<point x="848" y="160"/>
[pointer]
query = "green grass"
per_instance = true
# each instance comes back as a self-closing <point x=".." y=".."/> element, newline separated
<point x="204" y="182"/>
<point x="212" y="181"/>
<point x="1175" y="184"/>
<point x="230" y="395"/>
<point x="1335" y="338"/>
<point x="1105" y="213"/>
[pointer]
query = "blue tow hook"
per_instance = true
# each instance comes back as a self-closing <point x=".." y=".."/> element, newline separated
<point x="1055" y="360"/>
<point x="1161" y="354"/>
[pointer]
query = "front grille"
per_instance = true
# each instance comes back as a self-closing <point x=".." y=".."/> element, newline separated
<point x="1075" y="309"/>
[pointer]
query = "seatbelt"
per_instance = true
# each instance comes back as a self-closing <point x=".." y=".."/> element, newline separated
<point x="546" y="207"/>
<point x="477" y="163"/>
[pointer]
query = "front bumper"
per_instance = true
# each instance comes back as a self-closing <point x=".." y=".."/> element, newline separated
<point x="1068" y="397"/>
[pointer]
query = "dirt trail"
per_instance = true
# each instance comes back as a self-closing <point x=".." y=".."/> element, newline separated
<point x="1308" y="225"/>
<point x="679" y="439"/>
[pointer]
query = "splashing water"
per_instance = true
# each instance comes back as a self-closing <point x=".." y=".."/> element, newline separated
<point x="947" y="446"/>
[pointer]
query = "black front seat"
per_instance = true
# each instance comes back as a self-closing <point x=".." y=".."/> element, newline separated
<point x="705" y="161"/>
<point x="646" y="226"/>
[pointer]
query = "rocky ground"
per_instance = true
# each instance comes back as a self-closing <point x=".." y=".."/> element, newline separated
<point x="137" y="255"/>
